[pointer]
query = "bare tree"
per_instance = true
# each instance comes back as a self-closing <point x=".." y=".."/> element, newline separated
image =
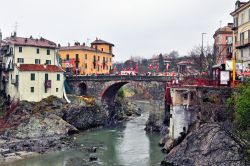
<point x="203" y="58"/>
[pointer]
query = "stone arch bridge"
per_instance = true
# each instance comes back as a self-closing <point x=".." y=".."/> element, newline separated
<point x="105" y="88"/>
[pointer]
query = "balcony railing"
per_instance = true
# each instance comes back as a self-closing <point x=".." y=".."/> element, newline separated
<point x="243" y="43"/>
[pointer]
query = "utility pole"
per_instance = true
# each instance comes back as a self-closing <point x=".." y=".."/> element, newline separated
<point x="202" y="36"/>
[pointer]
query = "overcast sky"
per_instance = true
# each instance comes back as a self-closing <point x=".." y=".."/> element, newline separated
<point x="136" y="27"/>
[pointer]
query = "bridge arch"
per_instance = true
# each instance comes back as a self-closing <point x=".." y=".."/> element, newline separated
<point x="83" y="88"/>
<point x="110" y="92"/>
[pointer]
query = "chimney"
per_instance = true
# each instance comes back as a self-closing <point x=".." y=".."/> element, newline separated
<point x="230" y="25"/>
<point x="59" y="45"/>
<point x="68" y="44"/>
<point x="83" y="44"/>
<point x="14" y="34"/>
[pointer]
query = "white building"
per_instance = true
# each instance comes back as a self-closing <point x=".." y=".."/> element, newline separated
<point x="31" y="69"/>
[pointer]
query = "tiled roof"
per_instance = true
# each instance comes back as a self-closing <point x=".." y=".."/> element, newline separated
<point x="81" y="47"/>
<point x="185" y="62"/>
<point x="78" y="47"/>
<point x="224" y="30"/>
<point x="30" y="42"/>
<point x="36" y="67"/>
<point x="99" y="41"/>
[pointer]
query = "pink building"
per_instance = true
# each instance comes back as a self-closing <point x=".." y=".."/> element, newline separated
<point x="223" y="41"/>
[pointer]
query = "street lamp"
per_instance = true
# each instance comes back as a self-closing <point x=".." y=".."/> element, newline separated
<point x="202" y="36"/>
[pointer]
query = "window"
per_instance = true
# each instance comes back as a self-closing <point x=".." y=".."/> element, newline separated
<point x="77" y="57"/>
<point x="86" y="66"/>
<point x="37" y="61"/>
<point x="86" y="56"/>
<point x="32" y="89"/>
<point x="241" y="52"/>
<point x="58" y="77"/>
<point x="56" y="89"/>
<point x="48" y="52"/>
<point x="20" y="49"/>
<point x="17" y="79"/>
<point x="102" y="49"/>
<point x="229" y="39"/>
<point x="98" y="58"/>
<point x="48" y="62"/>
<point x="20" y="60"/>
<point x="37" y="51"/>
<point x="32" y="77"/>
<point x="67" y="57"/>
<point x="46" y="77"/>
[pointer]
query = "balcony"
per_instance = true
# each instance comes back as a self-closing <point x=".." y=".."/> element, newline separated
<point x="243" y="43"/>
<point x="235" y="28"/>
<point x="47" y="84"/>
<point x="77" y="60"/>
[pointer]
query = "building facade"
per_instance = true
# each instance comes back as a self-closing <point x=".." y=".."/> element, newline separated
<point x="83" y="60"/>
<point x="30" y="69"/>
<point x="223" y="43"/>
<point x="241" y="33"/>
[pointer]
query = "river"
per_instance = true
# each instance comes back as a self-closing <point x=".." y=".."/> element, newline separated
<point x="124" y="145"/>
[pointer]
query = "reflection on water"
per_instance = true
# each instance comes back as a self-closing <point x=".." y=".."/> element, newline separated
<point x="126" y="145"/>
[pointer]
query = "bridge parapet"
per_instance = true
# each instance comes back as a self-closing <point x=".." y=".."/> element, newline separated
<point x="119" y="78"/>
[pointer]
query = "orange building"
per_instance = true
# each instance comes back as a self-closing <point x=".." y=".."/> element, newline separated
<point x="82" y="60"/>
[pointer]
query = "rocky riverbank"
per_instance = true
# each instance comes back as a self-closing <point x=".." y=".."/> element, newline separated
<point x="210" y="144"/>
<point x="30" y="128"/>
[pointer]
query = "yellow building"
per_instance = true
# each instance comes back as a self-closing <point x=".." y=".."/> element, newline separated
<point x="82" y="60"/>
<point x="241" y="34"/>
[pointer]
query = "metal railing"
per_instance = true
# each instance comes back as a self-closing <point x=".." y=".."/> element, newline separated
<point x="117" y="78"/>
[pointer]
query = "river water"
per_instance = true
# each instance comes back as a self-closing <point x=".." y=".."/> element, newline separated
<point x="125" y="145"/>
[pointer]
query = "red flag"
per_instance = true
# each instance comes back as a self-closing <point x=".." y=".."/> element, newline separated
<point x="137" y="67"/>
<point x="167" y="67"/>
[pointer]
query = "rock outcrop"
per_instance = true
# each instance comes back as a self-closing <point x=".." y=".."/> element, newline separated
<point x="208" y="145"/>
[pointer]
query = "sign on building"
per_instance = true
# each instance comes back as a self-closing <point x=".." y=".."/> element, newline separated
<point x="224" y="77"/>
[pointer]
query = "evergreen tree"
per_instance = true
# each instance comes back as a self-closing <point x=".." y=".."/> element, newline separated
<point x="161" y="63"/>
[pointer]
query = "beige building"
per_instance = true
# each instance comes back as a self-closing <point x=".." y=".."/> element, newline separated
<point x="241" y="28"/>
<point x="31" y="69"/>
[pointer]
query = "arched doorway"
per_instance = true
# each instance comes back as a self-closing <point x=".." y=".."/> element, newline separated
<point x="83" y="89"/>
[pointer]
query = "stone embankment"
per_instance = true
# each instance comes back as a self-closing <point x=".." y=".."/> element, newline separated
<point x="31" y="128"/>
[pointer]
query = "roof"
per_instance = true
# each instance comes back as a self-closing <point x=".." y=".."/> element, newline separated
<point x="188" y="62"/>
<point x="242" y="5"/>
<point x="78" y="47"/>
<point x="225" y="30"/>
<point x="82" y="47"/>
<point x="36" y="67"/>
<point x="99" y="41"/>
<point x="21" y="41"/>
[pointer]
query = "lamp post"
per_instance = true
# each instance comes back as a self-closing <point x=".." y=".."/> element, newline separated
<point x="202" y="36"/>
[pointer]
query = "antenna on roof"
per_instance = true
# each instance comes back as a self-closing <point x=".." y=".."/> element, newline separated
<point x="87" y="42"/>
<point x="15" y="29"/>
